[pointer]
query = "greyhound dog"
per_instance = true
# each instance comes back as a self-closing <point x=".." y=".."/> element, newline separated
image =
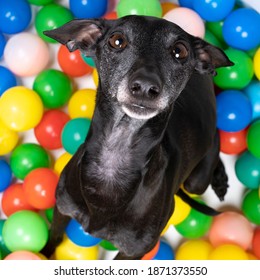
<point x="153" y="129"/>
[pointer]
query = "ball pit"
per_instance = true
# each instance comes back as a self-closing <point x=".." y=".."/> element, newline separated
<point x="64" y="86"/>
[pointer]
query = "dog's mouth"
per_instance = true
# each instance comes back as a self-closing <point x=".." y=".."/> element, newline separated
<point x="137" y="111"/>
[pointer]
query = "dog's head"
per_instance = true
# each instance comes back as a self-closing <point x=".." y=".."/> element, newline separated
<point x="143" y="62"/>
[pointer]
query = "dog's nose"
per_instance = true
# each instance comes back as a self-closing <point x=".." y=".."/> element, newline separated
<point x="145" y="86"/>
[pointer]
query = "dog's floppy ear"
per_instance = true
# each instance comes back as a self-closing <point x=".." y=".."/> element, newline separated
<point x="209" y="57"/>
<point x="80" y="34"/>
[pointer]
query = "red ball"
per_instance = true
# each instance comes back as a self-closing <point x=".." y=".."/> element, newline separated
<point x="14" y="199"/>
<point x="40" y="186"/>
<point x="233" y="143"/>
<point x="256" y="242"/>
<point x="48" y="131"/>
<point x="72" y="63"/>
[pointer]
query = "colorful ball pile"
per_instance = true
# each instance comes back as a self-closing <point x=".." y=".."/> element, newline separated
<point x="47" y="100"/>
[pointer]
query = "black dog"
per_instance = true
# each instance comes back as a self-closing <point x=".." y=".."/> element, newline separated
<point x="154" y="128"/>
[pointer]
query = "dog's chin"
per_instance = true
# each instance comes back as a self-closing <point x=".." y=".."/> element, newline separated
<point x="139" y="112"/>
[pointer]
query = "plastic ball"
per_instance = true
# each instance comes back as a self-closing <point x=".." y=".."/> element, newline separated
<point x="26" y="54"/>
<point x="256" y="242"/>
<point x="2" y="44"/>
<point x="25" y="230"/>
<point x="14" y="200"/>
<point x="6" y="175"/>
<point x="89" y="60"/>
<point x="54" y="87"/>
<point x="110" y="15"/>
<point x="82" y="104"/>
<point x="241" y="29"/>
<point x="136" y="7"/>
<point x="233" y="143"/>
<point x="67" y="250"/>
<point x="212" y="39"/>
<point x="74" y="134"/>
<point x="186" y="3"/>
<point x="216" y="28"/>
<point x="251" y="206"/>
<point x="253" y="93"/>
<point x="168" y="6"/>
<point x="40" y="2"/>
<point x="192" y="24"/>
<point x="195" y="225"/>
<point x="72" y="63"/>
<point x="232" y="228"/>
<point x="95" y="76"/>
<point x="234" y="111"/>
<point x="88" y="9"/>
<point x="15" y="16"/>
<point x="107" y="245"/>
<point x="228" y="252"/>
<point x="247" y="168"/>
<point x="61" y="162"/>
<point x="27" y="157"/>
<point x="48" y="131"/>
<point x="77" y="235"/>
<point x="253" y="136"/>
<point x="8" y="139"/>
<point x="20" y="108"/>
<point x="213" y="10"/>
<point x="49" y="214"/>
<point x="22" y="255"/>
<point x="7" y="79"/>
<point x="257" y="63"/>
<point x="40" y="187"/>
<point x="194" y="250"/>
<point x="237" y="76"/>
<point x="152" y="253"/>
<point x="165" y="252"/>
<point x="50" y="17"/>
<point x="4" y="250"/>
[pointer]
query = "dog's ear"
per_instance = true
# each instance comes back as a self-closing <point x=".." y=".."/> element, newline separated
<point x="79" y="34"/>
<point x="209" y="57"/>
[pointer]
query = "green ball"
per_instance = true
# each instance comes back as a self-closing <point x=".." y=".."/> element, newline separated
<point x="216" y="27"/>
<point x="253" y="139"/>
<point x="40" y="2"/>
<point x="107" y="245"/>
<point x="25" y="230"/>
<point x="5" y="251"/>
<point x="195" y="225"/>
<point x="74" y="134"/>
<point x="88" y="60"/>
<point x="50" y="17"/>
<point x="26" y="157"/>
<point x="237" y="76"/>
<point x="137" y="7"/>
<point x="49" y="214"/>
<point x="251" y="206"/>
<point x="54" y="87"/>
<point x="247" y="168"/>
<point x="212" y="39"/>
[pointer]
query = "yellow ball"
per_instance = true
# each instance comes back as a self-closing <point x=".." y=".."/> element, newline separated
<point x="257" y="64"/>
<point x="67" y="250"/>
<point x="194" y="250"/>
<point x="61" y="162"/>
<point x="95" y="76"/>
<point x="20" y="108"/>
<point x="181" y="211"/>
<point x="8" y="139"/>
<point x="82" y="104"/>
<point x="228" y="252"/>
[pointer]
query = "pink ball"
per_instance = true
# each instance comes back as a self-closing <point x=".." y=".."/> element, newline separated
<point x="188" y="20"/>
<point x="233" y="228"/>
<point x="26" y="54"/>
<point x="22" y="255"/>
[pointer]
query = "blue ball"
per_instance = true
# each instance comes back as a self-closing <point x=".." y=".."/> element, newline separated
<point x="234" y="111"/>
<point x="213" y="10"/>
<point x="186" y="3"/>
<point x="15" y="16"/>
<point x="77" y="235"/>
<point x="241" y="29"/>
<point x="7" y="79"/>
<point x="2" y="44"/>
<point x="5" y="175"/>
<point x="88" y="9"/>
<point x="165" y="252"/>
<point x="253" y="93"/>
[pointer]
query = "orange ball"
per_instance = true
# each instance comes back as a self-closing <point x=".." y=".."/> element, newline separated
<point x="151" y="254"/>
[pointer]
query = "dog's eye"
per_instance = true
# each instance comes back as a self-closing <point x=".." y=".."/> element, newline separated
<point x="180" y="51"/>
<point x="118" y="41"/>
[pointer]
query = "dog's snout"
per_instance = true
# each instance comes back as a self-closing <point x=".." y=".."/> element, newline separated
<point x="145" y="85"/>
